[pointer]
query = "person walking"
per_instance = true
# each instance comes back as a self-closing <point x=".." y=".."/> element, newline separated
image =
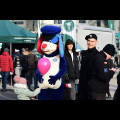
<point x="72" y="72"/>
<point x="87" y="56"/>
<point x="24" y="64"/>
<point x="101" y="73"/>
<point x="17" y="59"/>
<point x="31" y="61"/>
<point x="6" y="66"/>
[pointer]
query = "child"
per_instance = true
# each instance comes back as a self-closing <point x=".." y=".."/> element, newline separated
<point x="21" y="89"/>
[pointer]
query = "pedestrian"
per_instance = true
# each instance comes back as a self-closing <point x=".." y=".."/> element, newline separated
<point x="87" y="56"/>
<point x="24" y="64"/>
<point x="101" y="73"/>
<point x="111" y="65"/>
<point x="72" y="72"/>
<point x="6" y="66"/>
<point x="31" y="62"/>
<point x="17" y="59"/>
<point x="116" y="59"/>
<point x="79" y="58"/>
<point x="21" y="89"/>
<point x="117" y="92"/>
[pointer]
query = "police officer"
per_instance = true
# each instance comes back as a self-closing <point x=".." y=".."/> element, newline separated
<point x="87" y="56"/>
<point x="101" y="73"/>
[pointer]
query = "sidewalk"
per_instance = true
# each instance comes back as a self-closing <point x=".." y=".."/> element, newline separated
<point x="9" y="95"/>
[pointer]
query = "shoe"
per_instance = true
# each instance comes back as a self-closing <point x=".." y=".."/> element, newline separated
<point x="4" y="90"/>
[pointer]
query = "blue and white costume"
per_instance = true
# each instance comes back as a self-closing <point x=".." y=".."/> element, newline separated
<point x="51" y="47"/>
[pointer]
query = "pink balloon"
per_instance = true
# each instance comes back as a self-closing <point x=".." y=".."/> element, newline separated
<point x="44" y="65"/>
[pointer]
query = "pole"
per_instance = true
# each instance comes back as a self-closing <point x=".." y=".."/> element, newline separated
<point x="11" y="56"/>
<point x="11" y="49"/>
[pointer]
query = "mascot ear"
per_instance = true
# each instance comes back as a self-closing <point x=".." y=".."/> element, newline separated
<point x="60" y="45"/>
<point x="39" y="45"/>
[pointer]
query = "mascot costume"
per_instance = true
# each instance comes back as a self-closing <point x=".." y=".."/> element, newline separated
<point x="52" y="65"/>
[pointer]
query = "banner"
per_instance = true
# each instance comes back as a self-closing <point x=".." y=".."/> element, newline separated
<point x="110" y="24"/>
<point x="69" y="30"/>
<point x="38" y="29"/>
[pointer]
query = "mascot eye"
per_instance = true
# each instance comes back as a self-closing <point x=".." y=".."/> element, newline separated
<point x="50" y="41"/>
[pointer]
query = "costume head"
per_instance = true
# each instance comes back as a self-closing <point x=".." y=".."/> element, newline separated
<point x="50" y="41"/>
<point x="20" y="80"/>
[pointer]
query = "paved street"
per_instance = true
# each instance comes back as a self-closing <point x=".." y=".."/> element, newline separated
<point x="113" y="84"/>
<point x="10" y="95"/>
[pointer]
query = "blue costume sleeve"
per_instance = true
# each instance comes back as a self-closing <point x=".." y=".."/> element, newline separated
<point x="63" y="68"/>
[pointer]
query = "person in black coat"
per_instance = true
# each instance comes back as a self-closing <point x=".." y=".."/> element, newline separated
<point x="87" y="56"/>
<point x="117" y="92"/>
<point x="111" y="65"/>
<point x="101" y="73"/>
<point x="72" y="72"/>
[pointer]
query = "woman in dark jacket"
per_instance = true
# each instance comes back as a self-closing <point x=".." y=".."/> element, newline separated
<point x="72" y="72"/>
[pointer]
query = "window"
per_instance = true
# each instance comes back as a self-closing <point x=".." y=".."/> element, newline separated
<point x="82" y="21"/>
<point x="59" y="21"/>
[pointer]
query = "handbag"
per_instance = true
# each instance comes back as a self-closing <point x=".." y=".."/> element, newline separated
<point x="67" y="81"/>
<point x="66" y="78"/>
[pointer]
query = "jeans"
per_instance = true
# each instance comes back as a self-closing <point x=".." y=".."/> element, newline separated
<point x="4" y="79"/>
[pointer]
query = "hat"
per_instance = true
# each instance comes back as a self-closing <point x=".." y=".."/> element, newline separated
<point x="6" y="49"/>
<point x="50" y="30"/>
<point x="20" y="80"/>
<point x="109" y="49"/>
<point x="91" y="36"/>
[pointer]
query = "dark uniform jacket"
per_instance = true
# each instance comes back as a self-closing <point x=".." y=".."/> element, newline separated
<point x="100" y="74"/>
<point x="85" y="64"/>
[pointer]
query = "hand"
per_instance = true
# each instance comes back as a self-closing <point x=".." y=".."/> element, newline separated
<point x="11" y="73"/>
<point x="53" y="80"/>
<point x="113" y="69"/>
<point x="39" y="88"/>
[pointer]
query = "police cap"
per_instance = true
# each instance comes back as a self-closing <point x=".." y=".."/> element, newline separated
<point x="90" y="36"/>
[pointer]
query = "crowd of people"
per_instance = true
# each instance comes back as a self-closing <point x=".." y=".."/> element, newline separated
<point x="88" y="72"/>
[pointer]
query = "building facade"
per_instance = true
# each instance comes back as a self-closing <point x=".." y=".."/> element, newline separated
<point x="32" y="25"/>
